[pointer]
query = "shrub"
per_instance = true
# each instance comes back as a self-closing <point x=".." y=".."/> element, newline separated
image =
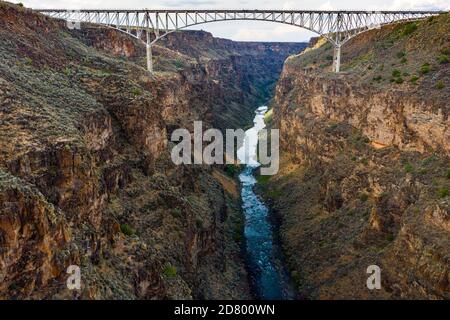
<point x="230" y="170"/>
<point x="176" y="212"/>
<point x="403" y="60"/>
<point x="443" y="58"/>
<point x="409" y="28"/>
<point x="178" y="64"/>
<point x="409" y="168"/>
<point x="199" y="223"/>
<point x="428" y="161"/>
<point x="396" y="73"/>
<point x="136" y="91"/>
<point x="448" y="174"/>
<point x="263" y="179"/>
<point x="440" y="85"/>
<point x="414" y="79"/>
<point x="126" y="229"/>
<point x="363" y="197"/>
<point x="377" y="78"/>
<point x="67" y="71"/>
<point x="401" y="54"/>
<point x="170" y="271"/>
<point x="399" y="80"/>
<point x="425" y="68"/>
<point x="443" y="192"/>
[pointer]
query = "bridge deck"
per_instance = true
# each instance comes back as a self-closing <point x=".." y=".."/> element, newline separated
<point x="249" y="11"/>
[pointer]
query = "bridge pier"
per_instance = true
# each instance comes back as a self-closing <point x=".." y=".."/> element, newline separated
<point x="149" y="58"/>
<point x="149" y="52"/>
<point x="337" y="58"/>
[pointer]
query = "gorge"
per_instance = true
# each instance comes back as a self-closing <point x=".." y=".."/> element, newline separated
<point x="86" y="176"/>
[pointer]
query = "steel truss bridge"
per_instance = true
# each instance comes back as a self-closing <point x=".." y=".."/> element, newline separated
<point x="149" y="26"/>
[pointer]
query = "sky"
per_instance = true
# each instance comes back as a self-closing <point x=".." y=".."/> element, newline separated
<point x="247" y="30"/>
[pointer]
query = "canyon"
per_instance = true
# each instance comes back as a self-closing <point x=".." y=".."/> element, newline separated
<point x="85" y="171"/>
<point x="86" y="176"/>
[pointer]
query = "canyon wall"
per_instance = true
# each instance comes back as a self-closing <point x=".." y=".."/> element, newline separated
<point x="85" y="173"/>
<point x="231" y="77"/>
<point x="365" y="168"/>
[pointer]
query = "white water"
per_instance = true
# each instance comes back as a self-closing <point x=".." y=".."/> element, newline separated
<point x="248" y="152"/>
<point x="269" y="279"/>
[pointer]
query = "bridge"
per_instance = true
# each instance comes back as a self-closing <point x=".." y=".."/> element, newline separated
<point x="149" y="26"/>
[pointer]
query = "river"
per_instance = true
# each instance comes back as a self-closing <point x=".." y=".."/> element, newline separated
<point x="269" y="278"/>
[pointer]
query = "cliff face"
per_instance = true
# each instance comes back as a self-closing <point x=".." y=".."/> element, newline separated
<point x="364" y="177"/>
<point x="85" y="173"/>
<point x="387" y="118"/>
<point x="231" y="77"/>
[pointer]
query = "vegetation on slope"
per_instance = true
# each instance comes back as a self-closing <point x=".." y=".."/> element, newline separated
<point x="411" y="56"/>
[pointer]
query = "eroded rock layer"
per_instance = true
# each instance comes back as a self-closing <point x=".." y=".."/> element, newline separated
<point x="85" y="173"/>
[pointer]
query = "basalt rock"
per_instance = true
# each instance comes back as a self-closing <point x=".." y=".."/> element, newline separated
<point x="364" y="173"/>
<point x="86" y="177"/>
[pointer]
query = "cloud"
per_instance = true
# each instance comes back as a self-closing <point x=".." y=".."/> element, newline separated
<point x="249" y="35"/>
<point x="279" y="33"/>
<point x="290" y="5"/>
<point x="189" y="3"/>
<point x="326" y="6"/>
<point x="420" y="5"/>
<point x="63" y="4"/>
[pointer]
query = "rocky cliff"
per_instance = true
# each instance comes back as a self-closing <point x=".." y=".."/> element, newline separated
<point x="365" y="171"/>
<point x="85" y="176"/>
<point x="231" y="77"/>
